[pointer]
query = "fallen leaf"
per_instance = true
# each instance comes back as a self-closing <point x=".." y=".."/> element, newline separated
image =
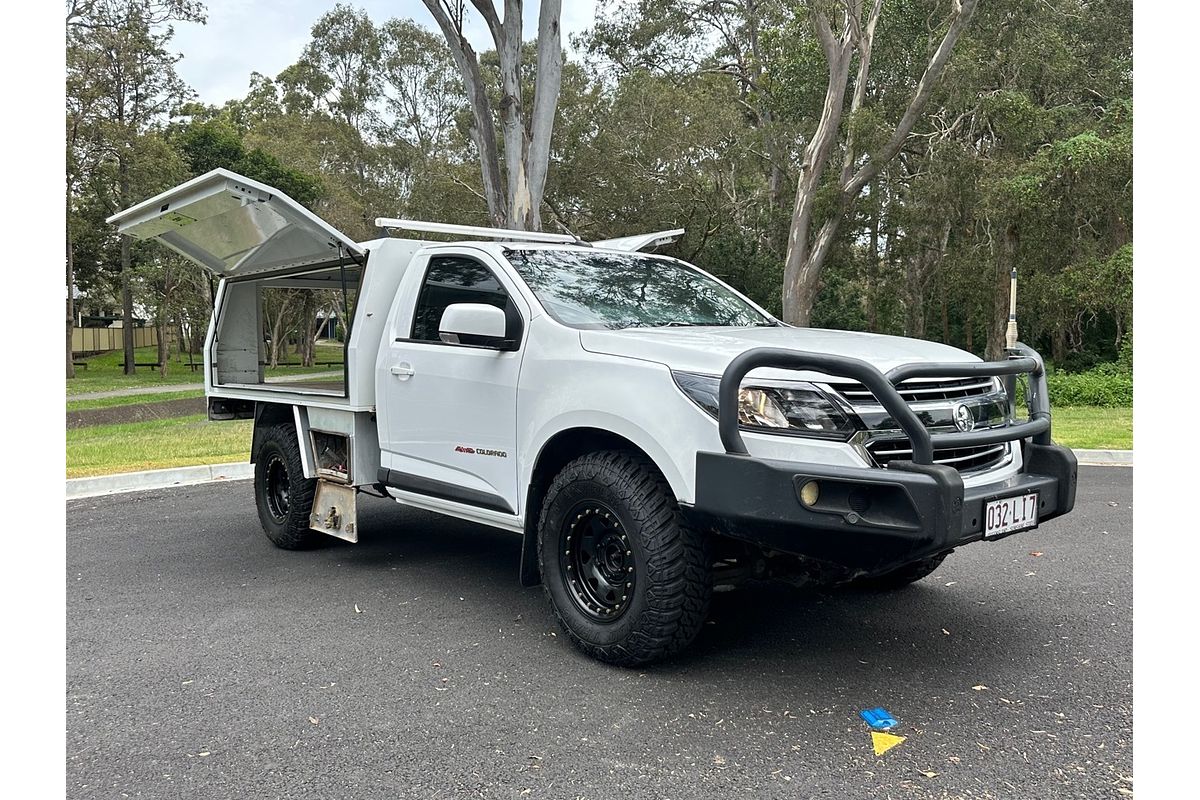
<point x="1036" y="553"/>
<point x="930" y="774"/>
<point x="979" y="687"/>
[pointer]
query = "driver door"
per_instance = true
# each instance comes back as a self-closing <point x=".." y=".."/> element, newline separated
<point x="447" y="412"/>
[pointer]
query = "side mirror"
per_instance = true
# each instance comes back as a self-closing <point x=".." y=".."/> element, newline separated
<point x="477" y="324"/>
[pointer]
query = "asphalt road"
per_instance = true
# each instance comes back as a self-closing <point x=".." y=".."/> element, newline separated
<point x="203" y="662"/>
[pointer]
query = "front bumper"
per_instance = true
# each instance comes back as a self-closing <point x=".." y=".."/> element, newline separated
<point x="867" y="521"/>
<point x="871" y="520"/>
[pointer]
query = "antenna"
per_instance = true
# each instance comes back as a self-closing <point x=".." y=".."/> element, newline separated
<point x="1011" y="335"/>
<point x="473" y="230"/>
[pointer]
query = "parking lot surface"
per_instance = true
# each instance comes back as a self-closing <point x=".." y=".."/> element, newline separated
<point x="204" y="663"/>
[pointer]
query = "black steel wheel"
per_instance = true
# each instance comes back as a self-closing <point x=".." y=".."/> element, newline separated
<point x="628" y="581"/>
<point x="277" y="488"/>
<point x="283" y="495"/>
<point x="597" y="560"/>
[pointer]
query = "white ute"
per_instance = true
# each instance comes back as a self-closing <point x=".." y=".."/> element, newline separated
<point x="648" y="430"/>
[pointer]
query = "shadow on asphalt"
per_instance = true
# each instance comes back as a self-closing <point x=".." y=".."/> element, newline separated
<point x="771" y="622"/>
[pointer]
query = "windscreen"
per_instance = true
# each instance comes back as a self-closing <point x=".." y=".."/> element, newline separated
<point x="588" y="289"/>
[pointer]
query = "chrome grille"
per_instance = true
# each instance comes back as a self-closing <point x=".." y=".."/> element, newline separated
<point x="919" y="390"/>
<point x="964" y="459"/>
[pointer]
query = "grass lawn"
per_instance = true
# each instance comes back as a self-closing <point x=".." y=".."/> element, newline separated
<point x="1091" y="428"/>
<point x="133" y="399"/>
<point x="104" y="372"/>
<point x="156" y="444"/>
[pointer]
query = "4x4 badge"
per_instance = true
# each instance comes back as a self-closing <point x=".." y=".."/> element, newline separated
<point x="964" y="420"/>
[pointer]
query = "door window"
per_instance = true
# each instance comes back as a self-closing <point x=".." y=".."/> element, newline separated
<point x="456" y="279"/>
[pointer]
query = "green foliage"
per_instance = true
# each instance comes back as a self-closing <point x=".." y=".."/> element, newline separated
<point x="685" y="113"/>
<point x="215" y="143"/>
<point x="1107" y="385"/>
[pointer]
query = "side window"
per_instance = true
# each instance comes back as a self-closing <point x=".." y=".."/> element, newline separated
<point x="454" y="279"/>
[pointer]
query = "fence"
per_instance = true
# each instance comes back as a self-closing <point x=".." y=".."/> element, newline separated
<point x="99" y="340"/>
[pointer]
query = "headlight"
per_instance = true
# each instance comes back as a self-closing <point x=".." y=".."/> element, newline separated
<point x="785" y="407"/>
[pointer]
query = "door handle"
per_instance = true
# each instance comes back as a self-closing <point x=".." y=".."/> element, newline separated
<point x="403" y="370"/>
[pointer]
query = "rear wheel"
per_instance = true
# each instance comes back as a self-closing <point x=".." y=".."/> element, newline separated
<point x="283" y="495"/>
<point x="627" y="580"/>
<point x="899" y="578"/>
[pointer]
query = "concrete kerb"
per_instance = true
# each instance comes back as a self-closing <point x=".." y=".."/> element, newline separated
<point x="157" y="479"/>
<point x="185" y="476"/>
<point x="1105" y="458"/>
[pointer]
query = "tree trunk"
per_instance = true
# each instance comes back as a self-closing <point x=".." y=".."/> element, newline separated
<point x="163" y="346"/>
<point x="870" y="307"/>
<point x="545" y="105"/>
<point x="126" y="268"/>
<point x="1058" y="344"/>
<point x="70" y="303"/>
<point x="945" y="314"/>
<point x="805" y="260"/>
<point x="483" y="132"/>
<point x="998" y="321"/>
<point x="126" y="307"/>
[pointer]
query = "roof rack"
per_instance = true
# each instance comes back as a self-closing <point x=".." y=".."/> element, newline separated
<point x="474" y="230"/>
<point x="629" y="244"/>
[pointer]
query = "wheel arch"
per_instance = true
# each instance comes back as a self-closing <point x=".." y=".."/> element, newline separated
<point x="557" y="451"/>
<point x="268" y="415"/>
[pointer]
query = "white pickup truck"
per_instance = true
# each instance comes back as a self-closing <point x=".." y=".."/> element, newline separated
<point x="646" y="429"/>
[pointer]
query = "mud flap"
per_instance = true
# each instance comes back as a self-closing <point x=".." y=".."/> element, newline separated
<point x="335" y="511"/>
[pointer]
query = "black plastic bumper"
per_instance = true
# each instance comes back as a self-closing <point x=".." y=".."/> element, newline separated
<point x="866" y="520"/>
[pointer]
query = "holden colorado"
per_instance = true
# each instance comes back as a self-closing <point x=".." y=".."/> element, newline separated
<point x="648" y="431"/>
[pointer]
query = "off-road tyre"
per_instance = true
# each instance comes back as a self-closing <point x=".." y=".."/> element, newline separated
<point x="622" y="502"/>
<point x="283" y="495"/>
<point x="899" y="578"/>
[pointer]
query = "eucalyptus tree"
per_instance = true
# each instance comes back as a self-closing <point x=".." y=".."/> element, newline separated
<point x="845" y="30"/>
<point x="526" y="136"/>
<point x="121" y="84"/>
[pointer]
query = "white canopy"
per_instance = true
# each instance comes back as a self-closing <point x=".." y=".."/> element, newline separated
<point x="235" y="226"/>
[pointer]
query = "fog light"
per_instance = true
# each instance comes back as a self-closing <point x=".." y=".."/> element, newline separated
<point x="810" y="493"/>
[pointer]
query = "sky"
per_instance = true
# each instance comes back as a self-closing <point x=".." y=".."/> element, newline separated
<point x="244" y="36"/>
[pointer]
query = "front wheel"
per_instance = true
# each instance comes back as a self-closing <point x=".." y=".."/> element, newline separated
<point x="283" y="495"/>
<point x="628" y="581"/>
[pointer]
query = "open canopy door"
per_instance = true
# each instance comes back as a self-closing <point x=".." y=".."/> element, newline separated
<point x="235" y="226"/>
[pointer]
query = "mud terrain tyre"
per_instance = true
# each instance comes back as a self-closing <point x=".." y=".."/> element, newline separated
<point x="283" y="495"/>
<point x="628" y="581"/>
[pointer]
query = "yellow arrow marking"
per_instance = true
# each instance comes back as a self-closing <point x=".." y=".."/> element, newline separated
<point x="884" y="742"/>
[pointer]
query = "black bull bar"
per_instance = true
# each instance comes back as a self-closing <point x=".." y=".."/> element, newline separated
<point x="871" y="521"/>
<point x="883" y="386"/>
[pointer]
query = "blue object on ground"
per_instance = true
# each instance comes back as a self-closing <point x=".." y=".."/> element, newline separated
<point x="878" y="718"/>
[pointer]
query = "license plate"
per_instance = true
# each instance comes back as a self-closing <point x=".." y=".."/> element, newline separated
<point x="1009" y="515"/>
